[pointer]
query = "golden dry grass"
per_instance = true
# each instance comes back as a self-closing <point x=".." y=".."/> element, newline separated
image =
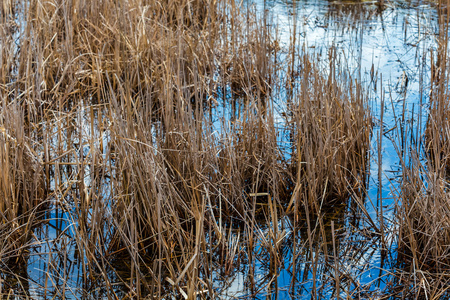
<point x="424" y="223"/>
<point x="120" y="111"/>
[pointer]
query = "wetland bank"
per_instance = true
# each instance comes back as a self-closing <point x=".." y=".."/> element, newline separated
<point x="199" y="149"/>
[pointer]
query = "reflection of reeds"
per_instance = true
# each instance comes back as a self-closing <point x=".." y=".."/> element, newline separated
<point x="128" y="102"/>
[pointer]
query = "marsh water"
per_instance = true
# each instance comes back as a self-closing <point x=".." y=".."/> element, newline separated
<point x="387" y="49"/>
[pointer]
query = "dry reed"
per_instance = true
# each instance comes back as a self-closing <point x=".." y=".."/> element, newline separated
<point x="157" y="138"/>
<point x="22" y="191"/>
<point x="424" y="193"/>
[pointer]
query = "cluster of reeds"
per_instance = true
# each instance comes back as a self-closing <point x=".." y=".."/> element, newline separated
<point x="424" y="222"/>
<point x="153" y="126"/>
<point x="332" y="132"/>
<point x="424" y="233"/>
<point x="22" y="191"/>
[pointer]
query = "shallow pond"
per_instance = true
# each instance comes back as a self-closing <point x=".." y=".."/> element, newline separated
<point x="384" y="47"/>
<point x="387" y="48"/>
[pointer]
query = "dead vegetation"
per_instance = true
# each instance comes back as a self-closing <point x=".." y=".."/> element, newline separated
<point x="147" y="130"/>
<point x="424" y="203"/>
